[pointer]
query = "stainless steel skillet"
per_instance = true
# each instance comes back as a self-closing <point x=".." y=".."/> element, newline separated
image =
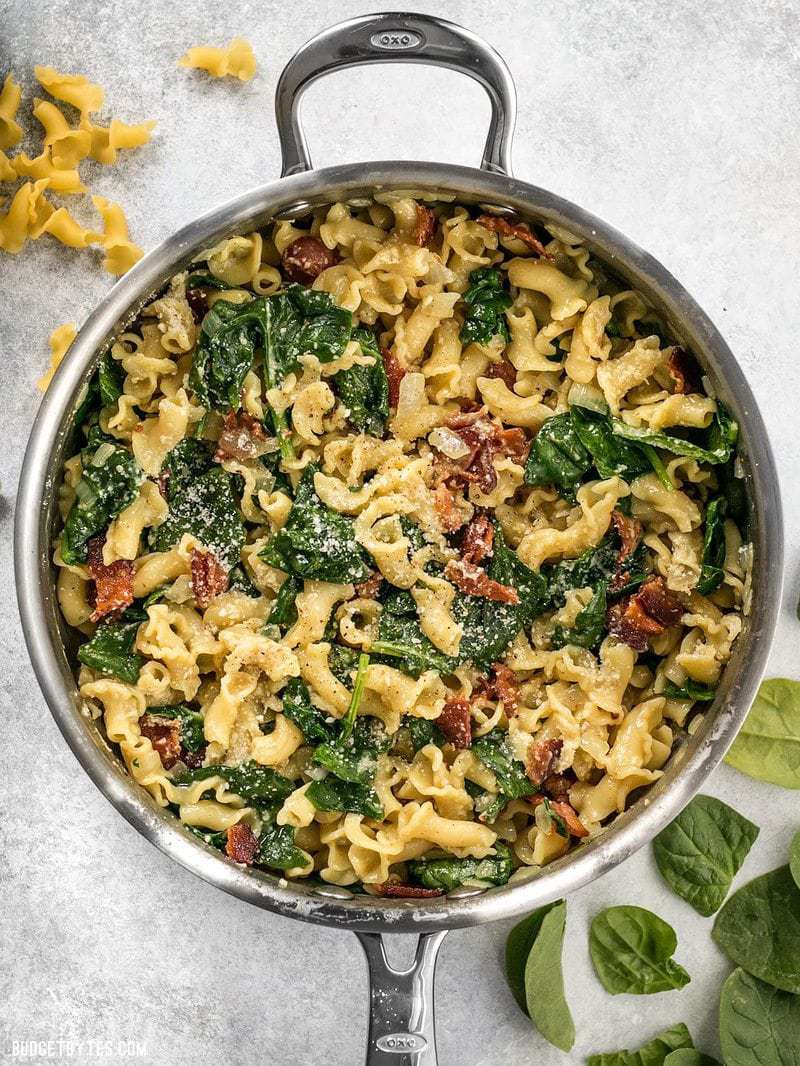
<point x="401" y="1026"/>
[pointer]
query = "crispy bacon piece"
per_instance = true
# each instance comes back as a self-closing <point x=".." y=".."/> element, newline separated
<point x="502" y="685"/>
<point x="163" y="482"/>
<point x="242" y="438"/>
<point x="305" y="259"/>
<point x="629" y="531"/>
<point x="644" y="614"/>
<point x="370" y="588"/>
<point x="242" y="844"/>
<point x="197" y="299"/>
<point x="657" y="601"/>
<point x="393" y="888"/>
<point x="449" y="514"/>
<point x="683" y="370"/>
<point x="113" y="584"/>
<point x="193" y="759"/>
<point x="504" y="370"/>
<point x="558" y="785"/>
<point x="455" y="722"/>
<point x="541" y="760"/>
<point x="520" y="230"/>
<point x="165" y="736"/>
<point x="567" y="813"/>
<point x="476" y="582"/>
<point x="476" y="544"/>
<point x="425" y="227"/>
<point x="209" y="577"/>
<point x="485" y="438"/>
<point x="395" y="372"/>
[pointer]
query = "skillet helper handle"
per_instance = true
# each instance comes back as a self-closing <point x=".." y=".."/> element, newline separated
<point x="401" y="1021"/>
<point x="401" y="37"/>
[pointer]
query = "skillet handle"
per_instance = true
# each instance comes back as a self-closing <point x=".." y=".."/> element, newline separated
<point x="396" y="38"/>
<point x="401" y="1022"/>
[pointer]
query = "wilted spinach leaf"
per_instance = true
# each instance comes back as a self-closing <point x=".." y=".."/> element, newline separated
<point x="557" y="456"/>
<point x="610" y="455"/>
<point x="448" y="873"/>
<point x="109" y="482"/>
<point x="401" y="640"/>
<point x="240" y="581"/>
<point x="718" y="446"/>
<point x="317" y="542"/>
<point x="589" y="626"/>
<point x="759" y="929"/>
<point x="201" y="502"/>
<point x="758" y="1025"/>
<point x="364" y="390"/>
<point x="260" y="785"/>
<point x="701" y="851"/>
<point x="283" y="611"/>
<point x="768" y="745"/>
<point x="631" y="950"/>
<point x="110" y="651"/>
<point x="333" y="794"/>
<point x="494" y="751"/>
<point x="277" y="849"/>
<point x="110" y="377"/>
<point x="192" y="736"/>
<point x="422" y="731"/>
<point x="712" y="572"/>
<point x="486" y="301"/>
<point x="689" y="690"/>
<point x="654" y="1053"/>
<point x="299" y="709"/>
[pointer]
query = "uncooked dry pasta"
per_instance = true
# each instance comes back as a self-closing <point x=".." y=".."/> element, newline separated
<point x="401" y="548"/>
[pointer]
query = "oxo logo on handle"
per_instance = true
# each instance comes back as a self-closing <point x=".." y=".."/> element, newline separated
<point x="396" y="40"/>
<point x="401" y="1043"/>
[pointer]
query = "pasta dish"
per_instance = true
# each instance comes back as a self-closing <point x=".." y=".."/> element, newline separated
<point x="402" y="544"/>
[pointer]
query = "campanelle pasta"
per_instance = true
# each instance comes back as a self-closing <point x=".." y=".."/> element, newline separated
<point x="402" y="542"/>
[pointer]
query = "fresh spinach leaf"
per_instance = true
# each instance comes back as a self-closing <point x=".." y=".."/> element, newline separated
<point x="631" y="950"/>
<point x="284" y="612"/>
<point x="518" y="947"/>
<point x="794" y="859"/>
<point x="192" y="736"/>
<point x="654" y="1053"/>
<point x="689" y="1057"/>
<point x="250" y="781"/>
<point x="277" y="849"/>
<point x="768" y="745"/>
<point x="759" y="929"/>
<point x="299" y="709"/>
<point x="590" y="623"/>
<point x="689" y="690"/>
<point x="758" y="1025"/>
<point x="109" y="482"/>
<point x="333" y="794"/>
<point x="110" y="651"/>
<point x="486" y="301"/>
<point x="712" y="573"/>
<point x="201" y="502"/>
<point x="701" y="851"/>
<point x="718" y="447"/>
<point x="364" y="390"/>
<point x="495" y="752"/>
<point x="544" y="981"/>
<point x="447" y="873"/>
<point x="317" y="542"/>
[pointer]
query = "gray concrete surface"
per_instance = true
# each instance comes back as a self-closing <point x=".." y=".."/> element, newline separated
<point x="677" y="123"/>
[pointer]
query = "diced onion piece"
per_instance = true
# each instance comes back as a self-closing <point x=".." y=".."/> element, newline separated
<point x="448" y="443"/>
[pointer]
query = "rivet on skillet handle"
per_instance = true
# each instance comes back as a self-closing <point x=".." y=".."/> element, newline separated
<point x="401" y="1021"/>
<point x="396" y="38"/>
